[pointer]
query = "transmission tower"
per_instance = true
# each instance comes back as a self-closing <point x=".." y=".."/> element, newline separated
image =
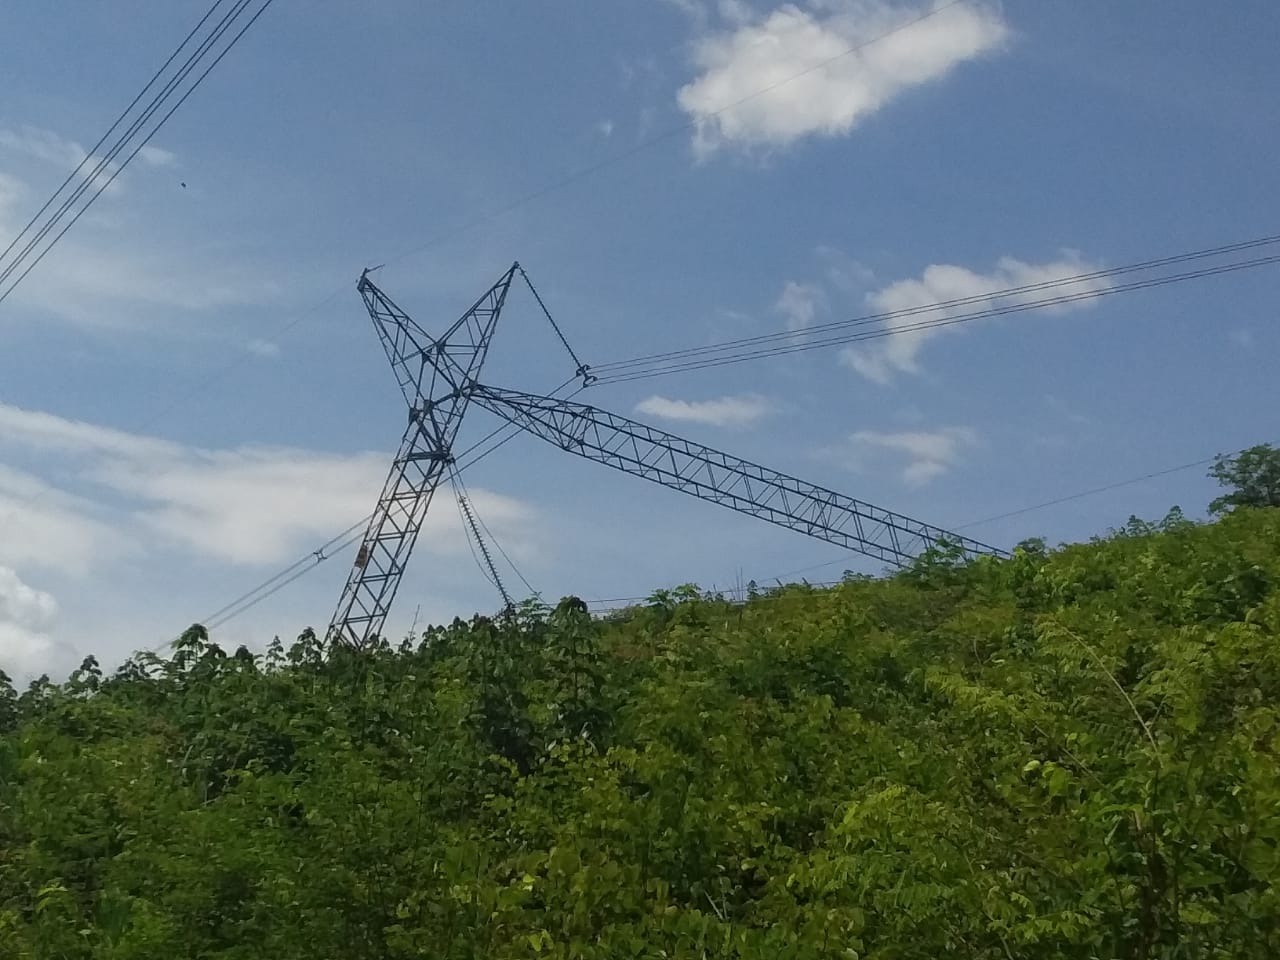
<point x="438" y="401"/>
<point x="437" y="377"/>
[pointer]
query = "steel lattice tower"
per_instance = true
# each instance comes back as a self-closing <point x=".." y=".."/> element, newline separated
<point x="437" y="377"/>
<point x="439" y="380"/>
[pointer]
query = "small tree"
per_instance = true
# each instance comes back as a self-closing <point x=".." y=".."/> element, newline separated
<point x="1253" y="477"/>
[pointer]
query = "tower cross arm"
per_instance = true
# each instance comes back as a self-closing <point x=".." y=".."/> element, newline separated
<point x="700" y="471"/>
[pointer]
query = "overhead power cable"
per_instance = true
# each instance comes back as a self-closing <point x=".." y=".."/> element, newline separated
<point x="307" y="313"/>
<point x="136" y="136"/>
<point x="1035" y="507"/>
<point x="876" y="326"/>
<point x="313" y="559"/>
<point x="93" y="151"/>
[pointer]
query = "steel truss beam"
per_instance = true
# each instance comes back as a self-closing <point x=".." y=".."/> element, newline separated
<point x="437" y="378"/>
<point x="720" y="478"/>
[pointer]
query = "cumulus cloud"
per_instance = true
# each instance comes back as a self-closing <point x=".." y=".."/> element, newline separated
<point x="25" y="614"/>
<point x="823" y="67"/>
<point x="929" y="453"/>
<point x="941" y="283"/>
<point x="738" y="411"/>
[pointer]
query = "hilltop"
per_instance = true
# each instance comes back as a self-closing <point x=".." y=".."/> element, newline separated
<point x="1072" y="753"/>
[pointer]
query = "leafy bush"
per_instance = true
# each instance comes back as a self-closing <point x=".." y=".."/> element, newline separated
<point x="1069" y="754"/>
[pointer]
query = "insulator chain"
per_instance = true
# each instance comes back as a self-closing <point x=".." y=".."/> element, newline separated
<point x="469" y="516"/>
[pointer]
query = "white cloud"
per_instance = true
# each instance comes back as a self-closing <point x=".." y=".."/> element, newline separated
<point x="604" y="128"/>
<point x="104" y="284"/>
<point x="154" y="156"/>
<point x="58" y="151"/>
<point x="11" y="191"/>
<point x="723" y="412"/>
<point x="799" y="303"/>
<point x="148" y="511"/>
<point x="263" y="348"/>
<point x="25" y="614"/>
<point x="48" y="529"/>
<point x="940" y="283"/>
<point x="99" y="276"/>
<point x="823" y="67"/>
<point x="247" y="505"/>
<point x="929" y="453"/>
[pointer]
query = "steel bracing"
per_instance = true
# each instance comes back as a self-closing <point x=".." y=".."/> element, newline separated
<point x="720" y="478"/>
<point x="437" y="378"/>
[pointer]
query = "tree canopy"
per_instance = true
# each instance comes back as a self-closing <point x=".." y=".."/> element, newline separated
<point x="1252" y="476"/>
<point x="1068" y="754"/>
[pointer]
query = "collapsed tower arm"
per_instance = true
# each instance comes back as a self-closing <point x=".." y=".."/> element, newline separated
<point x="437" y="377"/>
<point x="720" y="478"/>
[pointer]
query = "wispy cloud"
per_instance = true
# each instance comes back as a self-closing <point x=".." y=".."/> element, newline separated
<point x="57" y="151"/>
<point x="738" y="411"/>
<point x="799" y="54"/>
<point x="154" y="156"/>
<point x="106" y="275"/>
<point x="799" y="303"/>
<point x="263" y="348"/>
<point x="929" y="453"/>
<point x="899" y="352"/>
<point x="248" y="505"/>
<point x="112" y="506"/>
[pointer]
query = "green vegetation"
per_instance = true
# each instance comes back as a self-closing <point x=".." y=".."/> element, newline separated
<point x="1070" y="754"/>
<point x="1253" y="476"/>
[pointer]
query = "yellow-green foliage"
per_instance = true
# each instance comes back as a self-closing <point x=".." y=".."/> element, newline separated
<point x="1069" y="754"/>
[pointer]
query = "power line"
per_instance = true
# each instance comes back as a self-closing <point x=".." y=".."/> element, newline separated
<point x="1080" y="495"/>
<point x="307" y="313"/>
<point x="305" y="564"/>
<point x="732" y="352"/>
<point x="104" y="163"/>
<point x="348" y="538"/>
<point x="1089" y="493"/>
<point x="308" y="562"/>
<point x="103" y="139"/>
<point x="613" y="367"/>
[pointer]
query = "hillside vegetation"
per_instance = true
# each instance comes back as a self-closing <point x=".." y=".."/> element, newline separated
<point x="1070" y="754"/>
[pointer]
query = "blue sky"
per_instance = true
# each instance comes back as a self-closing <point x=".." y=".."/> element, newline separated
<point x="191" y="396"/>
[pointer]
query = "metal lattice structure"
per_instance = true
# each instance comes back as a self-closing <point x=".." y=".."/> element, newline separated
<point x="702" y="472"/>
<point x="437" y="377"/>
